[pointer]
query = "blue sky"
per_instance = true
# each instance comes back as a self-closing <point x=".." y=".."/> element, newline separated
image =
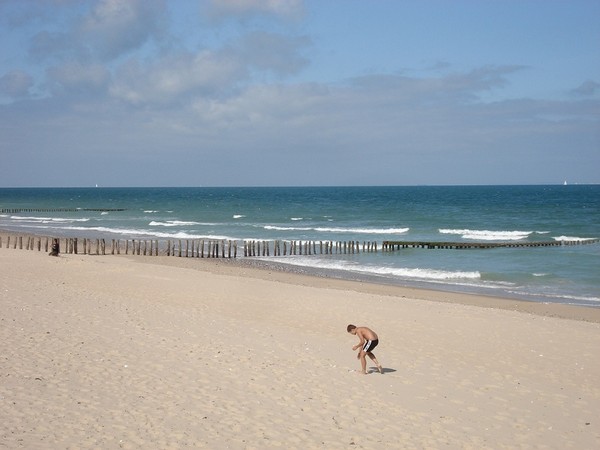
<point x="292" y="92"/>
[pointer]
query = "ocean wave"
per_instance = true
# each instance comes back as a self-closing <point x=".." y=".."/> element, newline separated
<point x="424" y="274"/>
<point x="572" y="239"/>
<point x="487" y="235"/>
<point x="402" y="272"/>
<point x="140" y="232"/>
<point x="340" y="230"/>
<point x="175" y="223"/>
<point x="580" y="300"/>
<point x="238" y="216"/>
<point x="47" y="219"/>
<point x="278" y="228"/>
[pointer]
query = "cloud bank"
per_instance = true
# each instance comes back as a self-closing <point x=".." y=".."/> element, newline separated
<point x="111" y="93"/>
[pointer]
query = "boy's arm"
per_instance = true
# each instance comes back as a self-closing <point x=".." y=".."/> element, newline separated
<point x="362" y="340"/>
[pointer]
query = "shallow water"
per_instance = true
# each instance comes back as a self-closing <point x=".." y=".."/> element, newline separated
<point x="566" y="274"/>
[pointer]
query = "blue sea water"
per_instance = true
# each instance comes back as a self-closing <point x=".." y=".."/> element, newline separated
<point x="565" y="274"/>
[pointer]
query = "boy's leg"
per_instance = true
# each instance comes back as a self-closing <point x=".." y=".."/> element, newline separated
<point x="372" y="356"/>
<point x="363" y="361"/>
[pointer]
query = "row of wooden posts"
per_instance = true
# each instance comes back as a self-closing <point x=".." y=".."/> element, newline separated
<point x="22" y="210"/>
<point x="186" y="248"/>
<point x="229" y="248"/>
<point x="397" y="245"/>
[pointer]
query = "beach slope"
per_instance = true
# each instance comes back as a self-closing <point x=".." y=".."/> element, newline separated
<point x="117" y="352"/>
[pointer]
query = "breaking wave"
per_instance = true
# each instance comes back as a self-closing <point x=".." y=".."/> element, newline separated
<point x="487" y="235"/>
<point x="340" y="230"/>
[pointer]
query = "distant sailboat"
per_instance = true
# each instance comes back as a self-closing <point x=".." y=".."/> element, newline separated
<point x="565" y="183"/>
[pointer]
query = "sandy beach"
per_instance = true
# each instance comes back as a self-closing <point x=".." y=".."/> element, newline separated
<point x="131" y="352"/>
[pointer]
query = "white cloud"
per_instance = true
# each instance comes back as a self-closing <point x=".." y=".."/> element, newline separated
<point x="378" y="128"/>
<point x="273" y="52"/>
<point x="175" y="77"/>
<point x="79" y="76"/>
<point x="587" y="89"/>
<point x="121" y="82"/>
<point x="115" y="27"/>
<point x="187" y="76"/>
<point x="105" y="32"/>
<point x="111" y="28"/>
<point x="15" y="83"/>
<point x="237" y="8"/>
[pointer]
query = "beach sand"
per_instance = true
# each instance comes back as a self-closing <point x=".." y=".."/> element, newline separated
<point x="132" y="352"/>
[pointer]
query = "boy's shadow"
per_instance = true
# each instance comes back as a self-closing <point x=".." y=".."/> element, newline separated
<point x="384" y="371"/>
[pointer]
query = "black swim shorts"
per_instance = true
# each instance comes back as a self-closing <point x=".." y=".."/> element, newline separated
<point x="370" y="345"/>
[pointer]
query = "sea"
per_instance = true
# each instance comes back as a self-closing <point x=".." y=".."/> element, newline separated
<point x="567" y="274"/>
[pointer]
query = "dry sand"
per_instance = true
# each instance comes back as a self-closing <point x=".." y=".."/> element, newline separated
<point x="130" y="352"/>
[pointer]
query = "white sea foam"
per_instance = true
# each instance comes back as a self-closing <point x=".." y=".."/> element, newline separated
<point x="340" y="230"/>
<point x="401" y="272"/>
<point x="278" y="228"/>
<point x="174" y="223"/>
<point x="140" y="232"/>
<point x="424" y="274"/>
<point x="296" y="218"/>
<point x="582" y="300"/>
<point x="48" y="220"/>
<point x="487" y="235"/>
<point x="365" y="230"/>
<point x="238" y="216"/>
<point x="572" y="239"/>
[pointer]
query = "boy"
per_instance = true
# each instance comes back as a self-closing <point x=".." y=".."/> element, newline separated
<point x="368" y="341"/>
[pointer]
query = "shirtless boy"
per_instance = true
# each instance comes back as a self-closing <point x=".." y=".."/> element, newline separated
<point x="368" y="341"/>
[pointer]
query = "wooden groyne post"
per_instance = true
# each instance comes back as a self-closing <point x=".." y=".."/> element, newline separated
<point x="390" y="246"/>
<point x="299" y="248"/>
<point x="28" y="210"/>
<point x="251" y="248"/>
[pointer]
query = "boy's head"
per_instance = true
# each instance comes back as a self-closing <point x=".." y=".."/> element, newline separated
<point x="351" y="329"/>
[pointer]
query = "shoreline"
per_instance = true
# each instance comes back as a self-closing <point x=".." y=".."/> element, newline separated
<point x="309" y="276"/>
<point x="268" y="272"/>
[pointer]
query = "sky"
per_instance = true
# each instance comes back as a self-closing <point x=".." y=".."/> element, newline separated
<point x="298" y="92"/>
